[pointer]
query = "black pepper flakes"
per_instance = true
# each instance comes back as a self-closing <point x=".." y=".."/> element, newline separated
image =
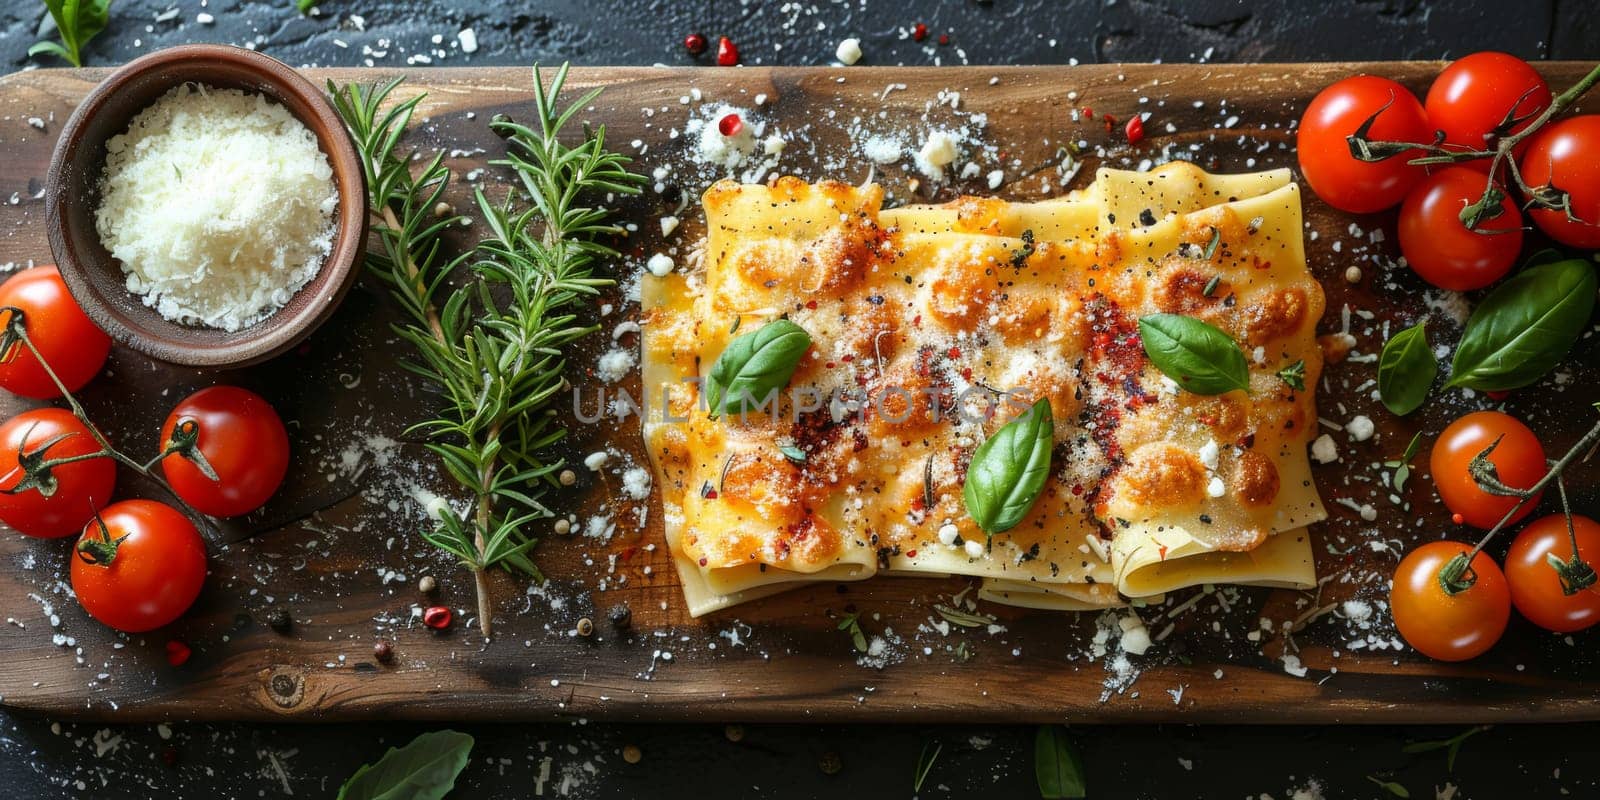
<point x="279" y="620"/>
<point x="620" y="616"/>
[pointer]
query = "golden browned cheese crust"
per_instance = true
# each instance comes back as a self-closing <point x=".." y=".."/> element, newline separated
<point x="930" y="320"/>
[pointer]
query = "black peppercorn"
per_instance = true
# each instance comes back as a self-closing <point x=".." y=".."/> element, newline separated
<point x="620" y="616"/>
<point x="830" y="763"/>
<point x="279" y="620"/>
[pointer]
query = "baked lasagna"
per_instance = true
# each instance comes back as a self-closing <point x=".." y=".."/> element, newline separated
<point x="930" y="327"/>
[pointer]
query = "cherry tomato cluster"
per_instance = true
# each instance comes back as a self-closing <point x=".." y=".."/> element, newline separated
<point x="137" y="564"/>
<point x="1458" y="228"/>
<point x="1455" y="623"/>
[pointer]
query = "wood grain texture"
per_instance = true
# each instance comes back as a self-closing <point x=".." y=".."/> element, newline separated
<point x="332" y="569"/>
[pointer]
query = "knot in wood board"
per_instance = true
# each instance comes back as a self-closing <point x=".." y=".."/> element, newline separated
<point x="285" y="686"/>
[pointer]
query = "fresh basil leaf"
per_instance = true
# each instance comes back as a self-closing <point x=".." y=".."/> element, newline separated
<point x="425" y="769"/>
<point x="1406" y="369"/>
<point x="1525" y="327"/>
<point x="1057" y="765"/>
<point x="1008" y="471"/>
<point x="1197" y="355"/>
<point x="753" y="367"/>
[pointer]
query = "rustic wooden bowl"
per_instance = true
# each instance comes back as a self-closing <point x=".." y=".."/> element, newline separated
<point x="72" y="193"/>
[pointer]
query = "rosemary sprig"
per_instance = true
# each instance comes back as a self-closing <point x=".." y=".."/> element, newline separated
<point x="492" y="343"/>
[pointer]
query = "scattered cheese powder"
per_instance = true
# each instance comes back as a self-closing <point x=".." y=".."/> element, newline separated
<point x="219" y="205"/>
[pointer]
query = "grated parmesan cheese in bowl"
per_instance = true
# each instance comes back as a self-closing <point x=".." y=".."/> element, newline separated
<point x="219" y="205"/>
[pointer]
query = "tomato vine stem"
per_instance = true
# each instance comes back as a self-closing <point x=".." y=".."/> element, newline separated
<point x="1501" y="160"/>
<point x="16" y="332"/>
<point x="1456" y="575"/>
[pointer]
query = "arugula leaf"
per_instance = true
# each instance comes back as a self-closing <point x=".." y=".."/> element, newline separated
<point x="753" y="367"/>
<point x="305" y="6"/>
<point x="1406" y="369"/>
<point x="1056" y="764"/>
<point x="77" y="21"/>
<point x="1009" y="469"/>
<point x="1197" y="355"/>
<point x="425" y="769"/>
<point x="1525" y="326"/>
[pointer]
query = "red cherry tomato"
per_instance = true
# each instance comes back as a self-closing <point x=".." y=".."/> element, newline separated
<point x="1448" y="627"/>
<point x="1337" y="111"/>
<point x="243" y="441"/>
<point x="1536" y="588"/>
<point x="80" y="487"/>
<point x="139" y="566"/>
<point x="1518" y="459"/>
<point x="1440" y="247"/>
<point x="1473" y="95"/>
<point x="1566" y="154"/>
<point x="69" y="342"/>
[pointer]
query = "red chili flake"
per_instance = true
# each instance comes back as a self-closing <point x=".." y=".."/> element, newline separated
<point x="828" y="365"/>
<point x="436" y="617"/>
<point x="1162" y="552"/>
<point x="708" y="491"/>
<point x="703" y="562"/>
<point x="1077" y="489"/>
<point x="730" y="125"/>
<point x="177" y="652"/>
<point x="954" y="352"/>
<point x="1135" y="129"/>
<point x="1498" y="396"/>
<point x="727" y="52"/>
<point x="919" y="32"/>
<point x="1457" y="519"/>
<point x="811" y="304"/>
<point x="911" y="554"/>
<point x="695" y="43"/>
<point x="944" y="38"/>
<point x="1088" y="112"/>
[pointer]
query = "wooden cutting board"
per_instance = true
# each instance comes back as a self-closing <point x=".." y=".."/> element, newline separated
<point x="347" y="572"/>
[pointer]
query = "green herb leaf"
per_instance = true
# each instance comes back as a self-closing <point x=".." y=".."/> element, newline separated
<point x="1390" y="786"/>
<point x="77" y="21"/>
<point x="1008" y="471"/>
<point x="425" y="769"/>
<point x="1197" y="355"/>
<point x="1057" y="765"/>
<point x="753" y="367"/>
<point x="1452" y="745"/>
<point x="305" y="6"/>
<point x="852" y="623"/>
<point x="1525" y="327"/>
<point x="1211" y="246"/>
<point x="1402" y="465"/>
<point x="925" y="762"/>
<point x="792" y="453"/>
<point x="1406" y="369"/>
<point x="1294" y="375"/>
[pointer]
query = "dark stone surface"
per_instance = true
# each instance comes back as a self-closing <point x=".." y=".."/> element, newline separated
<point x="42" y="758"/>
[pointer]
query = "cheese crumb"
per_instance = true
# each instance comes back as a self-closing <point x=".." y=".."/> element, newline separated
<point x="948" y="534"/>
<point x="636" y="483"/>
<point x="660" y="265"/>
<point x="468" y="39"/>
<point x="938" y="151"/>
<point x="849" y="51"/>
<point x="974" y="548"/>
<point x="1360" y="428"/>
<point x="594" y="461"/>
<point x="1324" y="450"/>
